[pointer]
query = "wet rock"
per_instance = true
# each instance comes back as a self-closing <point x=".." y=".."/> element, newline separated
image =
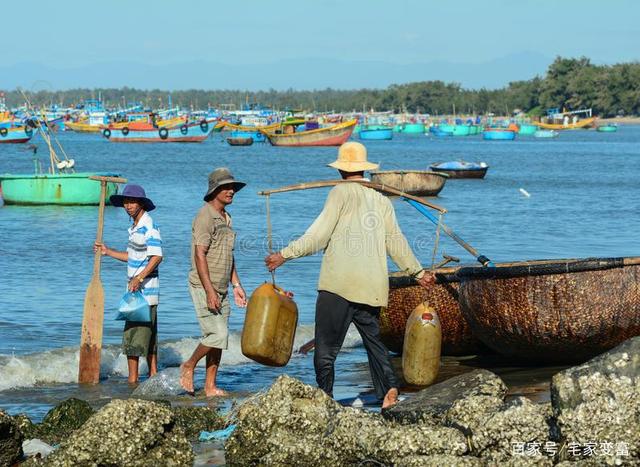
<point x="10" y="440"/>
<point x="296" y="424"/>
<point x="193" y="420"/>
<point x="519" y="423"/>
<point x="126" y="433"/>
<point x="431" y="404"/>
<point x="25" y="425"/>
<point x="63" y="420"/>
<point x="599" y="402"/>
<point x="288" y="421"/>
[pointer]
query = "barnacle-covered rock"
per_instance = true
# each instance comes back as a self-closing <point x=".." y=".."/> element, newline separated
<point x="296" y="424"/>
<point x="126" y="433"/>
<point x="599" y="402"/>
<point x="440" y="460"/>
<point x="431" y="404"/>
<point x="517" y="422"/>
<point x="10" y="440"/>
<point x="193" y="420"/>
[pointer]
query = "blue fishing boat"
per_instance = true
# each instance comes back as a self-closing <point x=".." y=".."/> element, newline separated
<point x="498" y="134"/>
<point x="376" y="133"/>
<point x="141" y="132"/>
<point x="20" y="134"/>
<point x="256" y="136"/>
<point x="546" y="134"/>
<point x="441" y="130"/>
<point x="461" y="169"/>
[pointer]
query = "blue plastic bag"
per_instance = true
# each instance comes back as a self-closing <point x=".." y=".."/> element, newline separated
<point x="134" y="307"/>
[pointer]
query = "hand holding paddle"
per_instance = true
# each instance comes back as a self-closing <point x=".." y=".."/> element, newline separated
<point x="93" y="315"/>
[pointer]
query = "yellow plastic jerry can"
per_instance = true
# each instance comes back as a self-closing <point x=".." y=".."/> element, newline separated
<point x="421" y="348"/>
<point x="269" y="326"/>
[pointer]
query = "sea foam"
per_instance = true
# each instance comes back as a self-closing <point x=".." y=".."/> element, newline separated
<point x="60" y="366"/>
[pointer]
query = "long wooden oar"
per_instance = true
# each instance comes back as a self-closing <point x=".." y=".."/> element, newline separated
<point x="480" y="258"/>
<point x="93" y="315"/>
<point x="375" y="186"/>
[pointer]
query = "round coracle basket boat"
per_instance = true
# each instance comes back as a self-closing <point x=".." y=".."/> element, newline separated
<point x="553" y="311"/>
<point x="412" y="182"/>
<point x="405" y="295"/>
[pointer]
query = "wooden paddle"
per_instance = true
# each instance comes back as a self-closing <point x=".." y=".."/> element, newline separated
<point x="93" y="315"/>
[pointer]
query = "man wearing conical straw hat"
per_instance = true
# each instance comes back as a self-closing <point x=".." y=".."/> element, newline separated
<point x="357" y="228"/>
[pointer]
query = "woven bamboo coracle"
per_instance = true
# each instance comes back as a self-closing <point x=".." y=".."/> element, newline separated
<point x="553" y="311"/>
<point x="405" y="295"/>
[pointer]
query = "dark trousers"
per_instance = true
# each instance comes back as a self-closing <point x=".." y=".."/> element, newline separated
<point x="334" y="314"/>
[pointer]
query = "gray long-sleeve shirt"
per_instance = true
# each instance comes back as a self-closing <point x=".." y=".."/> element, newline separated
<point x="357" y="228"/>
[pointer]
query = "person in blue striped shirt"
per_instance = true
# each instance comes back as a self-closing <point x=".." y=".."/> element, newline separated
<point x="143" y="255"/>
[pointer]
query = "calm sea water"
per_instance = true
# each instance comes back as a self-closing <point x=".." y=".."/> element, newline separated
<point x="583" y="202"/>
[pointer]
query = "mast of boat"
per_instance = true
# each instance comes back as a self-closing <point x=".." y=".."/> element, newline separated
<point x="54" y="160"/>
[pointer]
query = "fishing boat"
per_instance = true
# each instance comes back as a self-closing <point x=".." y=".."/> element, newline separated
<point x="411" y="128"/>
<point x="405" y="295"/>
<point x="546" y="134"/>
<point x="19" y="134"/>
<point x="141" y="132"/>
<point x="375" y="132"/>
<point x="571" y="120"/>
<point x="240" y="141"/>
<point x="334" y="135"/>
<point x="526" y="129"/>
<point x="461" y="169"/>
<point x="553" y="311"/>
<point x="256" y="136"/>
<point x="441" y="130"/>
<point x="608" y="128"/>
<point x="61" y="185"/>
<point x="498" y="134"/>
<point x="67" y="189"/>
<point x="413" y="182"/>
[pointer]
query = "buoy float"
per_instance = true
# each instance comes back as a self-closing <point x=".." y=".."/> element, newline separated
<point x="421" y="348"/>
<point x="269" y="326"/>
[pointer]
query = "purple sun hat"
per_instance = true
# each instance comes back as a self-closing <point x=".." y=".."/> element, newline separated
<point x="133" y="191"/>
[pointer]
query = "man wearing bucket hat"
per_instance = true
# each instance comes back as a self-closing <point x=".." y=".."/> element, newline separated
<point x="357" y="228"/>
<point x="143" y="255"/>
<point x="212" y="269"/>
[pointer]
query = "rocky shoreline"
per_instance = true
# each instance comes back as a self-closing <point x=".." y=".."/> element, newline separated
<point x="593" y="418"/>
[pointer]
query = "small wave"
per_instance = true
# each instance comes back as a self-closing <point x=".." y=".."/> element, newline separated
<point x="61" y="365"/>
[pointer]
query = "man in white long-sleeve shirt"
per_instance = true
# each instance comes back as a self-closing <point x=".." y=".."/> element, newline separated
<point x="357" y="229"/>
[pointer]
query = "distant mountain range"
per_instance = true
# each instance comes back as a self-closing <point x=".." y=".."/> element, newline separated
<point x="281" y="75"/>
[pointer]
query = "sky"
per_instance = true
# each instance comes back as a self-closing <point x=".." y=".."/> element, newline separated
<point x="270" y="43"/>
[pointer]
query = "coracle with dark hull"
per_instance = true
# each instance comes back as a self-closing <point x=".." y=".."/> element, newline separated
<point x="553" y="311"/>
<point x="405" y="295"/>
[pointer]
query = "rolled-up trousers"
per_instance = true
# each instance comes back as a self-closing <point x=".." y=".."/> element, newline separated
<point x="334" y="314"/>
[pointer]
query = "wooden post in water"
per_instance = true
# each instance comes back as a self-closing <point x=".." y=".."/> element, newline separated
<point x="93" y="315"/>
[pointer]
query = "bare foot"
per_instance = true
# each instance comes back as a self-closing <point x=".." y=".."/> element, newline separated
<point x="186" y="378"/>
<point x="216" y="392"/>
<point x="391" y="398"/>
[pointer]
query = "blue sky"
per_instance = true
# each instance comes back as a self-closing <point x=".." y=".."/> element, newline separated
<point x="341" y="34"/>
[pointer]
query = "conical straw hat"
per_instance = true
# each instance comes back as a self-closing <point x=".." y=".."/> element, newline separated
<point x="352" y="157"/>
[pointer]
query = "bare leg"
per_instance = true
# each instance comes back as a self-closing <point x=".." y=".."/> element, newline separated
<point x="213" y="363"/>
<point x="187" y="368"/>
<point x="132" y="363"/>
<point x="152" y="362"/>
<point x="391" y="398"/>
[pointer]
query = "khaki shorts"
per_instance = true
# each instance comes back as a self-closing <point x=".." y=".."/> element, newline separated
<point x="214" y="325"/>
<point x="141" y="339"/>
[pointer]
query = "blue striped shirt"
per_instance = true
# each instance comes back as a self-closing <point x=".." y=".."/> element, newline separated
<point x="145" y="241"/>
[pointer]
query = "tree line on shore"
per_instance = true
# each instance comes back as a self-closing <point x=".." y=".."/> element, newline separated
<point x="570" y="83"/>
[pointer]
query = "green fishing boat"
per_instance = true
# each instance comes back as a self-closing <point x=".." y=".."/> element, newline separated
<point x="526" y="129"/>
<point x="413" y="128"/>
<point x="608" y="128"/>
<point x="461" y="130"/>
<point x="59" y="185"/>
<point x="60" y="188"/>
